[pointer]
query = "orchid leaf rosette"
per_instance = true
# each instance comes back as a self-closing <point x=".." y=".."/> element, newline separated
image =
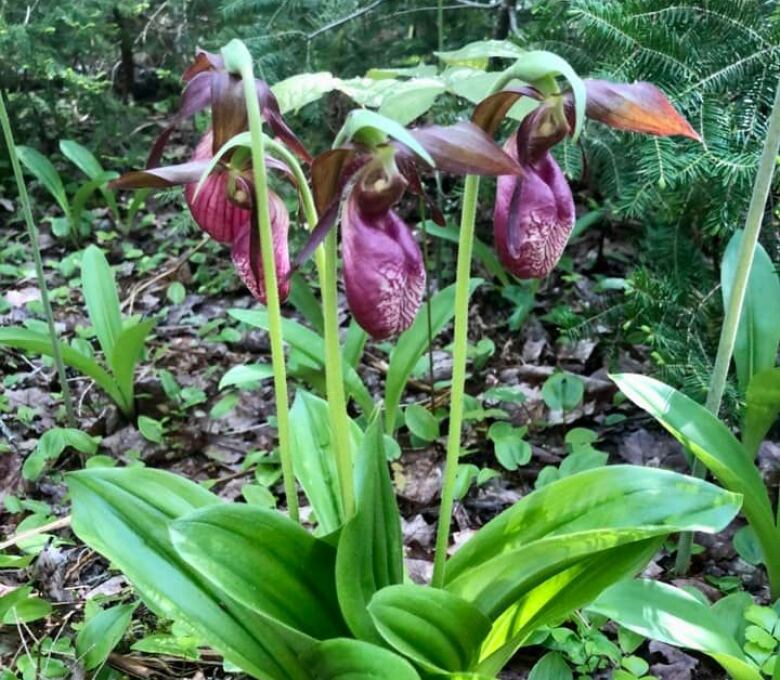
<point x="534" y="212"/>
<point x="222" y="201"/>
<point x="360" y="182"/>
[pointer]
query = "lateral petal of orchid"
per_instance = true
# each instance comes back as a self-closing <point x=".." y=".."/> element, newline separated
<point x="196" y="97"/>
<point x="328" y="178"/>
<point x="533" y="218"/>
<point x="212" y="209"/>
<point x="465" y="149"/>
<point x="273" y="115"/>
<point x="489" y="113"/>
<point x="384" y="275"/>
<point x="638" y="107"/>
<point x="245" y="252"/>
<point x="158" y="178"/>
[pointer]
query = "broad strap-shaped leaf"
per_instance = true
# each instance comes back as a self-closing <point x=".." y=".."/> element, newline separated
<point x="42" y="169"/>
<point x="314" y="458"/>
<point x="39" y="343"/>
<point x="603" y="509"/>
<point x="761" y="408"/>
<point x="125" y="514"/>
<point x="710" y="441"/>
<point x="552" y="601"/>
<point x="758" y="333"/>
<point x="346" y="659"/>
<point x="102" y="633"/>
<point x="311" y="345"/>
<point x="101" y="298"/>
<point x="128" y="349"/>
<point x="411" y="345"/>
<point x="266" y="562"/>
<point x="671" y="615"/>
<point x="370" y="548"/>
<point x="437" y="630"/>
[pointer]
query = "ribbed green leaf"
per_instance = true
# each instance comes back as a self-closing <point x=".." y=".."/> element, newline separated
<point x="662" y="612"/>
<point x="761" y="408"/>
<point x="435" y="629"/>
<point x="604" y="508"/>
<point x="101" y="298"/>
<point x="39" y="343"/>
<point x="710" y="441"/>
<point x="102" y="633"/>
<point x="266" y="562"/>
<point x="125" y="515"/>
<point x="314" y="458"/>
<point x="42" y="169"/>
<point x="370" y="549"/>
<point x="128" y="350"/>
<point x="346" y="659"/>
<point x="758" y="332"/>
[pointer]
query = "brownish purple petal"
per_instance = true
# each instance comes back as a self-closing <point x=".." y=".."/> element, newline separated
<point x="465" y="149"/>
<point x="489" y="113"/>
<point x="638" y="107"/>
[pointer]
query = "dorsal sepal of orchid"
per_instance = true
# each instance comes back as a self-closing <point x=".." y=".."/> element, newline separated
<point x="161" y="178"/>
<point x="465" y="149"/>
<point x="245" y="251"/>
<point x="492" y="110"/>
<point x="384" y="276"/>
<point x="636" y="107"/>
<point x="209" y="83"/>
<point x="379" y="128"/>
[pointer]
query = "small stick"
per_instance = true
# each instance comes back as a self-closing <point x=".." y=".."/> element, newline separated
<point x="60" y="523"/>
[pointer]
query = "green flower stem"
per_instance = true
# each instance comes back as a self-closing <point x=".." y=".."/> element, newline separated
<point x="459" y="352"/>
<point x="459" y="355"/>
<point x="728" y="334"/>
<point x="32" y="232"/>
<point x="337" y="405"/>
<point x="325" y="257"/>
<point x="238" y="59"/>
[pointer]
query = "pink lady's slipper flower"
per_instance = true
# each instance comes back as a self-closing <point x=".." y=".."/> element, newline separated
<point x="223" y="204"/>
<point x="384" y="276"/>
<point x="534" y="212"/>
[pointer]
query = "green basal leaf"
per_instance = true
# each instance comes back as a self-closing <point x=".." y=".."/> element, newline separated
<point x="314" y="458"/>
<point x="346" y="659"/>
<point x="125" y="514"/>
<point x="605" y="508"/>
<point x="51" y="444"/>
<point x="758" y="333"/>
<point x="102" y="633"/>
<point x="264" y="561"/>
<point x="310" y="345"/>
<point x="552" y="601"/>
<point x="482" y="50"/>
<point x="671" y="615"/>
<point x="761" y="408"/>
<point x="39" y="343"/>
<point x="435" y="629"/>
<point x="370" y="548"/>
<point x="710" y="441"/>
<point x="101" y="298"/>
<point x="42" y="169"/>
<point x="128" y="350"/>
<point x="411" y="345"/>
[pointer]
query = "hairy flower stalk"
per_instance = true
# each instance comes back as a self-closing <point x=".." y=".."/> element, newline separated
<point x="534" y="213"/>
<point x="229" y="198"/>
